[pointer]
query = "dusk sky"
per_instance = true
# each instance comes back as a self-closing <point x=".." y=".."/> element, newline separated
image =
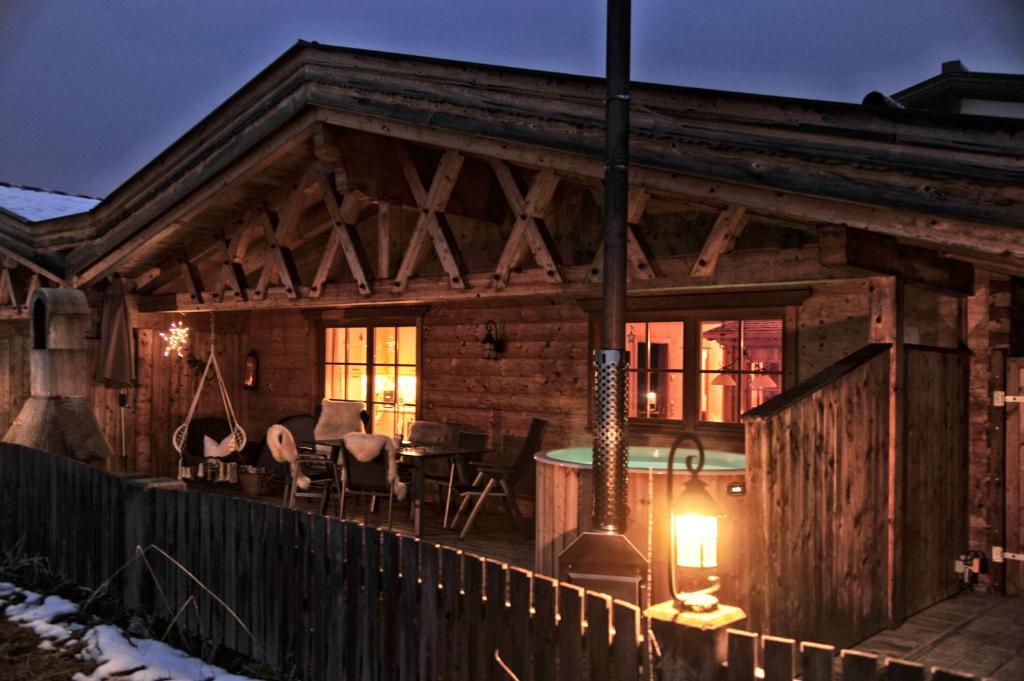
<point x="91" y="90"/>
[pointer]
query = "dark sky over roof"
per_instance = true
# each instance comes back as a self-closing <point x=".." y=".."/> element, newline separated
<point x="94" y="89"/>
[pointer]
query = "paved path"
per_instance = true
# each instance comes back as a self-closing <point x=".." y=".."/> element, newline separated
<point x="972" y="633"/>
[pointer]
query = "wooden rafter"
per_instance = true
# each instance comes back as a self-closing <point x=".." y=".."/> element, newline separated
<point x="343" y="236"/>
<point x="385" y="224"/>
<point x="190" y="273"/>
<point x="529" y="231"/>
<point x="279" y="261"/>
<point x="232" y="275"/>
<point x="432" y="222"/>
<point x="728" y="226"/>
<point x="640" y="260"/>
<point x="33" y="283"/>
<point x="7" y="292"/>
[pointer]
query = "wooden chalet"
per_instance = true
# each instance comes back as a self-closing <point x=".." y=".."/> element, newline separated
<point x="826" y="287"/>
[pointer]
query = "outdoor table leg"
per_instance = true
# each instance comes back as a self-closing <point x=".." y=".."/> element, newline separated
<point x="418" y="484"/>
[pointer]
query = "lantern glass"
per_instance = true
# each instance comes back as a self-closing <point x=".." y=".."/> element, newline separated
<point x="696" y="542"/>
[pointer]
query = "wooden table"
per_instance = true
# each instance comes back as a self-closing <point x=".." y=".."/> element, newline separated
<point x="418" y="456"/>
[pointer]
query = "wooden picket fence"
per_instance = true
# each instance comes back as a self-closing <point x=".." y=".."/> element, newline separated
<point x="783" y="659"/>
<point x="326" y="598"/>
<point x="330" y="599"/>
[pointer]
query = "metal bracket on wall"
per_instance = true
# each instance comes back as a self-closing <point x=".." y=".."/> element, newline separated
<point x="1001" y="556"/>
<point x="1000" y="398"/>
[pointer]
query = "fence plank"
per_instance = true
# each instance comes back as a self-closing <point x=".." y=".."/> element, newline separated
<point x="290" y="594"/>
<point x="901" y="670"/>
<point x="217" y="565"/>
<point x="318" y="597"/>
<point x="410" y="552"/>
<point x="625" y="641"/>
<point x="428" y="610"/>
<point x="204" y="563"/>
<point x="448" y="660"/>
<point x="390" y="582"/>
<point x="742" y="652"/>
<point x="544" y="639"/>
<point x="858" y="666"/>
<point x="302" y="585"/>
<point x="598" y="610"/>
<point x="495" y="575"/>
<point x="353" y="579"/>
<point x="518" y="658"/>
<point x="570" y="632"/>
<point x="472" y="617"/>
<point x="270" y="604"/>
<point x="371" y="624"/>
<point x="943" y="675"/>
<point x="246" y="574"/>
<point x="816" y="661"/>
<point x="777" y="658"/>
<point x="336" y="652"/>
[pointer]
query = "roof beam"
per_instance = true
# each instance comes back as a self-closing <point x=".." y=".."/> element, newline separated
<point x="840" y="245"/>
<point x="529" y="230"/>
<point x="343" y="236"/>
<point x="722" y="239"/>
<point x="639" y="258"/>
<point x="432" y="222"/>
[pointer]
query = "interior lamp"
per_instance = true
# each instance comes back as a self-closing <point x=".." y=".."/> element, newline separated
<point x="694" y="533"/>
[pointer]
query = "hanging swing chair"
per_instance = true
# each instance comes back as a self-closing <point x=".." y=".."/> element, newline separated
<point x="238" y="433"/>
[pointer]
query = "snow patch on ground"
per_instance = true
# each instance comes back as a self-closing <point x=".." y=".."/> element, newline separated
<point x="38" y="614"/>
<point x="153" y="659"/>
<point x="116" y="653"/>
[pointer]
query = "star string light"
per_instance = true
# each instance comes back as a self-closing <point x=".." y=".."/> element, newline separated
<point x="176" y="339"/>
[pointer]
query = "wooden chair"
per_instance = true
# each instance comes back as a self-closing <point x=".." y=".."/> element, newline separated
<point x="505" y="478"/>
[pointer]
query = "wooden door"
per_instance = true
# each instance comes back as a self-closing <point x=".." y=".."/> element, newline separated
<point x="1014" y="475"/>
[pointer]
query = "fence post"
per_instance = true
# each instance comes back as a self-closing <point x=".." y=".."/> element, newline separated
<point x="692" y="645"/>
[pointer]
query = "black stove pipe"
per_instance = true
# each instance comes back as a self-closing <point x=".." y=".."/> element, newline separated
<point x="610" y="454"/>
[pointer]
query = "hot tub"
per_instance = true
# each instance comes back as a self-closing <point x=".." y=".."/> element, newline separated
<point x="565" y="504"/>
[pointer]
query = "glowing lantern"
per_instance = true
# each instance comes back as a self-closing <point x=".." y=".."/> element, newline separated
<point x="694" y="532"/>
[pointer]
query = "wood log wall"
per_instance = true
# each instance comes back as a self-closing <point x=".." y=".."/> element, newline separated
<point x="14" y="370"/>
<point x="817" y="481"/>
<point x="934" y="518"/>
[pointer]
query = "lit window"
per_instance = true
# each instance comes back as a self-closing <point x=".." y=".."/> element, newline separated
<point x="655" y="372"/>
<point x="740" y="366"/>
<point x="383" y="357"/>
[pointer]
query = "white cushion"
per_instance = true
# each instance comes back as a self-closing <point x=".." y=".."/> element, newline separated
<point x="218" y="450"/>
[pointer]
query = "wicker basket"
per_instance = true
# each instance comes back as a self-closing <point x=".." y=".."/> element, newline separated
<point x="253" y="481"/>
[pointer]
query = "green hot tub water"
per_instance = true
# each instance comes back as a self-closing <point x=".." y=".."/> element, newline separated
<point x="654" y="457"/>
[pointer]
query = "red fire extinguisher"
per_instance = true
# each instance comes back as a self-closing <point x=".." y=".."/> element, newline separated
<point x="252" y="371"/>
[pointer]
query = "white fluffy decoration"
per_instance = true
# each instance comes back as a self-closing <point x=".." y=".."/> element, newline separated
<point x="218" y="450"/>
<point x="283" y="449"/>
<point x="365" y="448"/>
<point x="337" y="417"/>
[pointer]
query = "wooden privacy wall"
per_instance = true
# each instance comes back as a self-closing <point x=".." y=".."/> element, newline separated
<point x="14" y="370"/>
<point x="934" y="516"/>
<point x="325" y="598"/>
<point x="817" y="490"/>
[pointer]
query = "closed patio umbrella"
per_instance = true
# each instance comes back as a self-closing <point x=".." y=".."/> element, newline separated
<point x="115" y="365"/>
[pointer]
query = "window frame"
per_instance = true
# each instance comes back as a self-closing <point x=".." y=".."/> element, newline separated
<point x="370" y="319"/>
<point x="691" y="310"/>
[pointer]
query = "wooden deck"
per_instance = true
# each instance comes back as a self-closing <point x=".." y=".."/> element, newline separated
<point x="494" y="535"/>
<point x="973" y="633"/>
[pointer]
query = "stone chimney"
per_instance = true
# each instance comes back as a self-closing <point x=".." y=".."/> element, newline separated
<point x="58" y="416"/>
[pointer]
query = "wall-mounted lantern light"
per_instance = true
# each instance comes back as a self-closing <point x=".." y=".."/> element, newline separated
<point x="489" y="344"/>
<point x="694" y="534"/>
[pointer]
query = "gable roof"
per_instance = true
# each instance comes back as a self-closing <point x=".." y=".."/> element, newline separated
<point x="944" y="170"/>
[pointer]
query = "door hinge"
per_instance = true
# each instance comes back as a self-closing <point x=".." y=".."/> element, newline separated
<point x="1000" y="398"/>
<point x="1001" y="556"/>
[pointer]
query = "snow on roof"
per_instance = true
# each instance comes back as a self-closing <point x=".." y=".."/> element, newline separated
<point x="33" y="204"/>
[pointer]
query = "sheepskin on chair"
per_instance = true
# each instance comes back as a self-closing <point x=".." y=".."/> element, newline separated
<point x="365" y="448"/>
<point x="283" y="449"/>
<point x="337" y="417"/>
